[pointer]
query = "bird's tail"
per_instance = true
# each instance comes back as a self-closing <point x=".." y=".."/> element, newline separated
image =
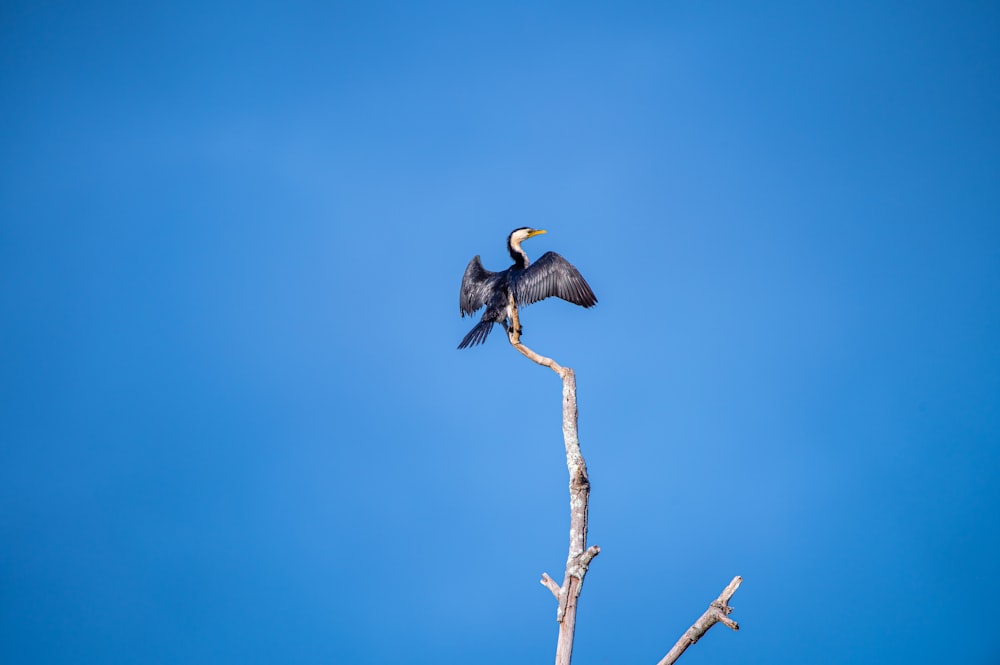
<point x="477" y="335"/>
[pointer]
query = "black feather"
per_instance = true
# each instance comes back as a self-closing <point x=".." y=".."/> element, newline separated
<point x="551" y="275"/>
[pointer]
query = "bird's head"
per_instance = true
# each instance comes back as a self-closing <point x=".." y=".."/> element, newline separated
<point x="521" y="234"/>
<point x="514" y="244"/>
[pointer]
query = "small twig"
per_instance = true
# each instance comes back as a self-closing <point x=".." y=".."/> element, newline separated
<point x="550" y="584"/>
<point x="587" y="557"/>
<point x="717" y="612"/>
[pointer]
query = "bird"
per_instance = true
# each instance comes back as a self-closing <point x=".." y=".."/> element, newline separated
<point x="550" y="275"/>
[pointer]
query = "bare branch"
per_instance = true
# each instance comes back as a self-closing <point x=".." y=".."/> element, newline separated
<point x="514" y="335"/>
<point x="588" y="556"/>
<point x="550" y="584"/>
<point x="717" y="612"/>
<point x="579" y="557"/>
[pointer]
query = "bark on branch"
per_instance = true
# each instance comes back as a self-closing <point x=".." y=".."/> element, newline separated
<point x="717" y="612"/>
<point x="580" y="556"/>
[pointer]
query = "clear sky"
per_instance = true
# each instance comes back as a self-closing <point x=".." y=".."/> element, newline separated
<point x="234" y="424"/>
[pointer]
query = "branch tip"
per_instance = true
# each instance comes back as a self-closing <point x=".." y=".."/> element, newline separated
<point x="730" y="589"/>
<point x="723" y="619"/>
<point x="550" y="584"/>
<point x="717" y="612"/>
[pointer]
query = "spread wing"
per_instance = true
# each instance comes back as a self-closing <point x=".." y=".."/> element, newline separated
<point x="478" y="284"/>
<point x="552" y="275"/>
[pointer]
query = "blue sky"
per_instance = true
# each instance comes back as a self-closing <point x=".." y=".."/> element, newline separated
<point x="235" y="427"/>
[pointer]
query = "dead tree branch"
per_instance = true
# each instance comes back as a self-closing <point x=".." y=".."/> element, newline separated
<point x="514" y="335"/>
<point x="717" y="612"/>
<point x="580" y="556"/>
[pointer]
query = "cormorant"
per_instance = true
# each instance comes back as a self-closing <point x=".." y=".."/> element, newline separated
<point x="550" y="275"/>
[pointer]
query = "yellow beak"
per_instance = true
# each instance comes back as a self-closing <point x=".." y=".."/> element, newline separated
<point x="536" y="232"/>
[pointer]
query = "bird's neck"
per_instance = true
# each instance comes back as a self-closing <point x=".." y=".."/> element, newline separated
<point x="520" y="258"/>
